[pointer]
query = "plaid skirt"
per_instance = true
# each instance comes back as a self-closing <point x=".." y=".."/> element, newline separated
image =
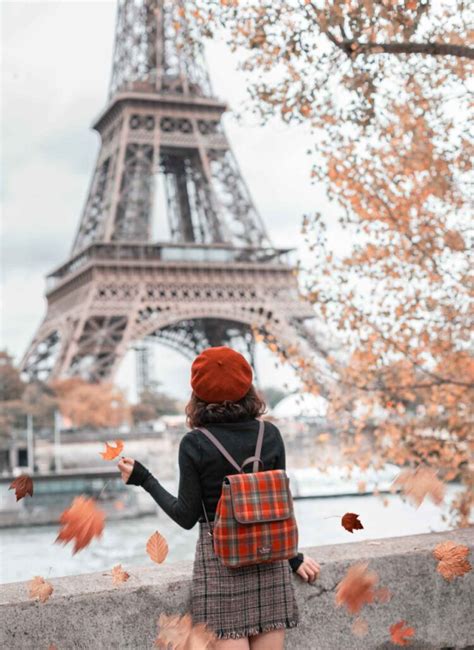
<point x="243" y="601"/>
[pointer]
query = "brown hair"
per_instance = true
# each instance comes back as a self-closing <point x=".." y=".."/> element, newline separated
<point x="198" y="412"/>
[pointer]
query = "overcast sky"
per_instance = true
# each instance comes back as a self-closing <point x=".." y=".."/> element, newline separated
<point x="55" y="74"/>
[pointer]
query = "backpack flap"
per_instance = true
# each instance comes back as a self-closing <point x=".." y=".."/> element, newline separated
<point x="260" y="496"/>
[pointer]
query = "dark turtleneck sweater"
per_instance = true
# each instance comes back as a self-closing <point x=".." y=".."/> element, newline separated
<point x="202" y="468"/>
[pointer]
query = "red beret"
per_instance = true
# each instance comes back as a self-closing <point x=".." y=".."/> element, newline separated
<point x="219" y="374"/>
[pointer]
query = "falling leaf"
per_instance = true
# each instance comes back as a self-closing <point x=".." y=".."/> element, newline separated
<point x="360" y="627"/>
<point x="52" y="646"/>
<point x="419" y="483"/>
<point x="81" y="522"/>
<point x="39" y="588"/>
<point x="453" y="560"/>
<point x="119" y="504"/>
<point x="22" y="485"/>
<point x="119" y="575"/>
<point x="350" y="522"/>
<point x="112" y="452"/>
<point x="178" y="633"/>
<point x="157" y="547"/>
<point x="398" y="633"/>
<point x="356" y="588"/>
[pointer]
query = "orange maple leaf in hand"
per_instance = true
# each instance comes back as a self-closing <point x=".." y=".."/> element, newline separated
<point x="398" y="633"/>
<point x="179" y="633"/>
<point x="39" y="588"/>
<point x="112" y="452"/>
<point x="419" y="483"/>
<point x="81" y="522"/>
<point x="22" y="485"/>
<point x="350" y="522"/>
<point x="356" y="588"/>
<point x="157" y="547"/>
<point x="453" y="560"/>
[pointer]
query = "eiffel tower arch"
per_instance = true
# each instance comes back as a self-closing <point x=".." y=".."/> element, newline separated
<point x="217" y="278"/>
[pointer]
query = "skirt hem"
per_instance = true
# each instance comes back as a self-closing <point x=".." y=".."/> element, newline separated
<point x="252" y="631"/>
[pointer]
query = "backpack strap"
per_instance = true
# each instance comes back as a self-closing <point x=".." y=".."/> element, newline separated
<point x="223" y="450"/>
<point x="256" y="459"/>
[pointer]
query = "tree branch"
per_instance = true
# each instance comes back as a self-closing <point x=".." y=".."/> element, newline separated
<point x="354" y="48"/>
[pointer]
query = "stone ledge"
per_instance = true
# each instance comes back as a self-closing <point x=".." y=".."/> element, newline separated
<point x="89" y="612"/>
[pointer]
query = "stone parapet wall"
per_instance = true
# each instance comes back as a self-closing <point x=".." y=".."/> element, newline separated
<point x="89" y="612"/>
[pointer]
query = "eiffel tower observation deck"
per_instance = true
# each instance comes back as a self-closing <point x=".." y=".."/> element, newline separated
<point x="163" y="156"/>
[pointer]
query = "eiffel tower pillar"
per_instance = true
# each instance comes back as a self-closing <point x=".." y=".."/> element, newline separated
<point x="217" y="278"/>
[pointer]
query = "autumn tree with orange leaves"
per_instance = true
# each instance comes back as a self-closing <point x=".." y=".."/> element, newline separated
<point x="383" y="86"/>
<point x="88" y="404"/>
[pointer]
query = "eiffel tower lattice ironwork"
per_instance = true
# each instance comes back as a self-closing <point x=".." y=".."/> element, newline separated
<point x="164" y="156"/>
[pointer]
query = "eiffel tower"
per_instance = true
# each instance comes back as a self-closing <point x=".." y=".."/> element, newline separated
<point x="164" y="155"/>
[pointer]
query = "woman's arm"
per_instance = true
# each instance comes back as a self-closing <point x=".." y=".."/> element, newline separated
<point x="280" y="463"/>
<point x="186" y="508"/>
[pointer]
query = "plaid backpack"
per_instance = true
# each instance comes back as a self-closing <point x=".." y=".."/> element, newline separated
<point x="254" y="520"/>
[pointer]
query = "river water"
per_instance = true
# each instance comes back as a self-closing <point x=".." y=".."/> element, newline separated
<point x="30" y="551"/>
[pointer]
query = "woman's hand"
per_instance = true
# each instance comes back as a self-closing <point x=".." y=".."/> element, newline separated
<point x="125" y="466"/>
<point x="308" y="570"/>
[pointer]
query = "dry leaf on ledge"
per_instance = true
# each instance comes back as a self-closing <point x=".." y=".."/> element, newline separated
<point x="453" y="560"/>
<point x="119" y="575"/>
<point x="39" y="588"/>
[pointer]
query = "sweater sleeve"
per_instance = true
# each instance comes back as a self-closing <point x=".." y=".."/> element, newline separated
<point x="280" y="463"/>
<point x="185" y="509"/>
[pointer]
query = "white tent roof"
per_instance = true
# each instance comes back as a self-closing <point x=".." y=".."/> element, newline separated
<point x="300" y="405"/>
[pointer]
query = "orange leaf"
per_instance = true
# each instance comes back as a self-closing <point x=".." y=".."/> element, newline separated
<point x="22" y="485"/>
<point x="419" y="483"/>
<point x="157" y="547"/>
<point x="39" y="588"/>
<point x="178" y="632"/>
<point x="119" y="575"/>
<point x="81" y="522"/>
<point x="453" y="560"/>
<point x="359" y="627"/>
<point x="356" y="588"/>
<point x="398" y="633"/>
<point x="119" y="504"/>
<point x="112" y="452"/>
<point x="350" y="522"/>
